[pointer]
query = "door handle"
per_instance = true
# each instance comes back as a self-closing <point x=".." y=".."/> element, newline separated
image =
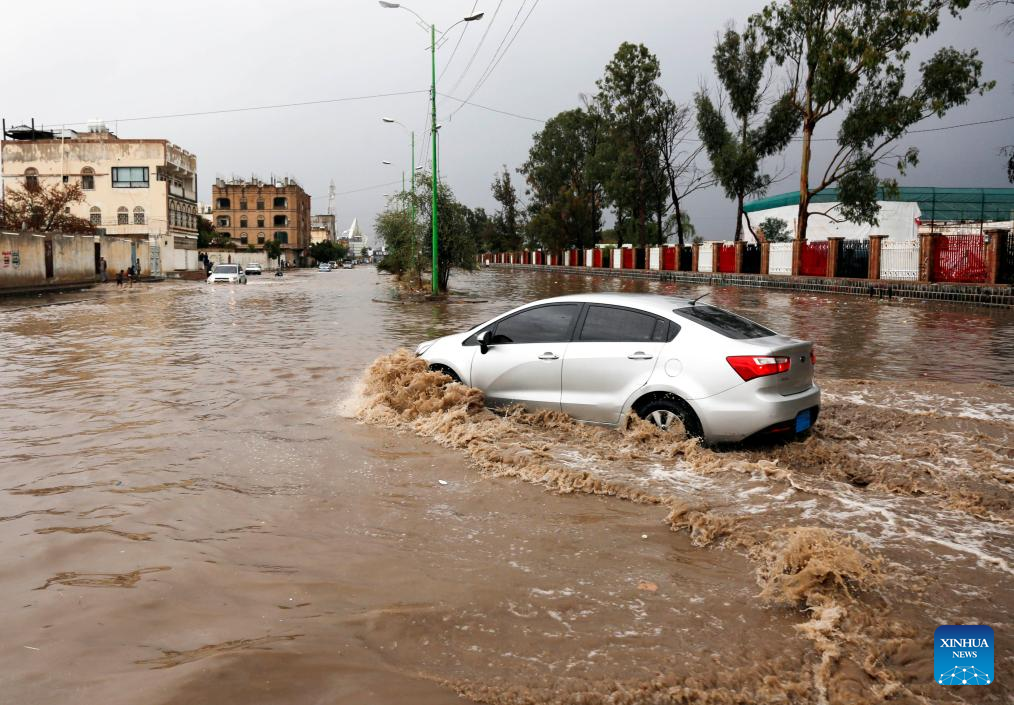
<point x="639" y="356"/>
<point x="548" y="356"/>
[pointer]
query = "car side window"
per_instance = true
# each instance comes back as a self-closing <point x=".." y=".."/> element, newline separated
<point x="610" y="324"/>
<point x="544" y="324"/>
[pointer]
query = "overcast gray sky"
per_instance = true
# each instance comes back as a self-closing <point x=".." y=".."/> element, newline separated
<point x="119" y="59"/>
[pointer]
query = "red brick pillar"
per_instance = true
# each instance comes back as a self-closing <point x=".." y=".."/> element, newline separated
<point x="995" y="242"/>
<point x="927" y="255"/>
<point x="740" y="249"/>
<point x="797" y="255"/>
<point x="765" y="257"/>
<point x="876" y="246"/>
<point x="695" y="256"/>
<point x="833" y="252"/>
<point x="716" y="250"/>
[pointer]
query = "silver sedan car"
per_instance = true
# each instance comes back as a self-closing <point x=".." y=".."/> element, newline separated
<point x="598" y="356"/>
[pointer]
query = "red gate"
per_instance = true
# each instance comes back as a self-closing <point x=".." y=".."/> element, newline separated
<point x="960" y="258"/>
<point x="727" y="257"/>
<point x="597" y="257"/>
<point x="669" y="258"/>
<point x="814" y="259"/>
<point x="628" y="258"/>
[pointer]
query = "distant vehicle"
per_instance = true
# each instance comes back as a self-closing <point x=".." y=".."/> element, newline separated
<point x="599" y="356"/>
<point x="253" y="268"/>
<point x="324" y="267"/>
<point x="348" y="264"/>
<point x="228" y="273"/>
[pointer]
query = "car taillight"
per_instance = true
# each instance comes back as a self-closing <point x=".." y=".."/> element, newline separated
<point x="750" y="366"/>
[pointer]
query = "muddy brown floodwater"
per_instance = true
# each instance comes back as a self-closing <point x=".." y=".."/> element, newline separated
<point x="248" y="495"/>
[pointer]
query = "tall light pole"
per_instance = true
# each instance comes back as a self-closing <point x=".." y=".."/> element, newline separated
<point x="435" y="278"/>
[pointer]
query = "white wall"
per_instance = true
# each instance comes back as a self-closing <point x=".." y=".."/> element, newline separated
<point x="897" y="221"/>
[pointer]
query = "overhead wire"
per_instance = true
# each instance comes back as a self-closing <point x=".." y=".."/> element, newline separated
<point x="475" y="53"/>
<point x="464" y="28"/>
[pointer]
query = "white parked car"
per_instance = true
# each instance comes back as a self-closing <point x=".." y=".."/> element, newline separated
<point x="228" y="273"/>
<point x="598" y="356"/>
<point x="324" y="267"/>
<point x="252" y="268"/>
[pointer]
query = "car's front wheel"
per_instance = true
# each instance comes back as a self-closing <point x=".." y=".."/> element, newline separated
<point x="671" y="414"/>
<point x="447" y="371"/>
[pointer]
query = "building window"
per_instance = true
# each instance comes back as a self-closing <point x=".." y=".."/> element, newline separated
<point x="260" y="204"/>
<point x="260" y="238"/>
<point x="260" y="221"/>
<point x="95" y="215"/>
<point x="222" y="221"/>
<point x="243" y="238"/>
<point x="122" y="216"/>
<point x="242" y="221"/>
<point x="242" y="205"/>
<point x="138" y="216"/>
<point x="223" y="203"/>
<point x="130" y="177"/>
<point x="65" y="178"/>
<point x="280" y="202"/>
<point x="281" y="220"/>
<point x="31" y="179"/>
<point x="88" y="179"/>
<point x="282" y="237"/>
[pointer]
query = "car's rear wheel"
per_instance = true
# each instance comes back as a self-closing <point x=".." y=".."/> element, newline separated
<point x="671" y="414"/>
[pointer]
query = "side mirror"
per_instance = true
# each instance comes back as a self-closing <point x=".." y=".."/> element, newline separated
<point x="484" y="341"/>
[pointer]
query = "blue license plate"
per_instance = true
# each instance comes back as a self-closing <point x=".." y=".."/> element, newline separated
<point x="803" y="421"/>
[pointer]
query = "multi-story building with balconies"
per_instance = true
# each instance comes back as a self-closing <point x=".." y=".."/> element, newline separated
<point x="139" y="189"/>
<point x="253" y="212"/>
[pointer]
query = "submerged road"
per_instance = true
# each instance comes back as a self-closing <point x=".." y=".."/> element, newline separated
<point x="191" y="511"/>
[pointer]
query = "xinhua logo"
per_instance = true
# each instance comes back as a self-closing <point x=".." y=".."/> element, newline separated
<point x="963" y="654"/>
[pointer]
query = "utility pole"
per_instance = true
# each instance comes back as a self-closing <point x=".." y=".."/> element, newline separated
<point x="433" y="206"/>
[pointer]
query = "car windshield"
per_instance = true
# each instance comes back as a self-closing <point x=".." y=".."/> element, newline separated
<point x="725" y="322"/>
<point x="226" y="268"/>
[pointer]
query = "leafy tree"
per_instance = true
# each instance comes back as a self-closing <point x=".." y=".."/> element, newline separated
<point x="273" y="249"/>
<point x="736" y="151"/>
<point x="482" y="229"/>
<point x="775" y="230"/>
<point x="205" y="232"/>
<point x="564" y="207"/>
<point x="508" y="218"/>
<point x="628" y="91"/>
<point x="327" y="251"/>
<point x="847" y="58"/>
<point x="402" y="258"/>
<point x="43" y="208"/>
<point x="456" y="247"/>
<point x="364" y="252"/>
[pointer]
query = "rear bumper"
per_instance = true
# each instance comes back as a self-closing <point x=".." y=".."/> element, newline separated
<point x="744" y="411"/>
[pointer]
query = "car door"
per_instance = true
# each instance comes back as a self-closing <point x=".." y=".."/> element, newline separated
<point x="524" y="359"/>
<point x="613" y="353"/>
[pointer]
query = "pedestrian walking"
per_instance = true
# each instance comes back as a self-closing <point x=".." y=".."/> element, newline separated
<point x="103" y="274"/>
<point x="119" y="279"/>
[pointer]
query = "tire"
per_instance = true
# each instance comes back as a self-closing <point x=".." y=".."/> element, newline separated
<point x="447" y="371"/>
<point x="663" y="412"/>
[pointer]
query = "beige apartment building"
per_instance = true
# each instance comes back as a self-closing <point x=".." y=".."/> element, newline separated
<point x="137" y="189"/>
<point x="253" y="212"/>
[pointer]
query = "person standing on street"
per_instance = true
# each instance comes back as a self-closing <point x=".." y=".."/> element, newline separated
<point x="119" y="279"/>
<point x="103" y="274"/>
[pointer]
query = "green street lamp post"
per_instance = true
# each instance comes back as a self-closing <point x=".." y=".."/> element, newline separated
<point x="435" y="278"/>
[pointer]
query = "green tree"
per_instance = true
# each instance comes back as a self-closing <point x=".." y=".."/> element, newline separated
<point x="273" y="249"/>
<point x="205" y="232"/>
<point x="456" y="247"/>
<point x="737" y="151"/>
<point x="775" y="230"/>
<point x="395" y="229"/>
<point x="327" y="251"/>
<point x="628" y="92"/>
<point x="847" y="58"/>
<point x="508" y="218"/>
<point x="565" y="194"/>
<point x="483" y="232"/>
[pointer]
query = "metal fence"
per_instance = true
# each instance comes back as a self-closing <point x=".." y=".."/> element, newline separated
<point x="686" y="256"/>
<point x="780" y="258"/>
<point x="899" y="259"/>
<point x="751" y="260"/>
<point x="726" y="257"/>
<point x="854" y="259"/>
<point x="960" y="258"/>
<point x="1006" y="255"/>
<point x="705" y="257"/>
<point x="813" y="262"/>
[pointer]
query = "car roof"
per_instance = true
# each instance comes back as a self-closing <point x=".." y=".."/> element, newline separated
<point x="652" y="303"/>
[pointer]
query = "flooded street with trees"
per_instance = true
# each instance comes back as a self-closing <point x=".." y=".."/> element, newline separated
<point x="254" y="494"/>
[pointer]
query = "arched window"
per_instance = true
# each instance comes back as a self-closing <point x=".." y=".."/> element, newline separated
<point x="282" y="237"/>
<point x="242" y="221"/>
<point x="88" y="179"/>
<point x="260" y="220"/>
<point x="243" y="238"/>
<point x="122" y="216"/>
<point x="223" y="203"/>
<point x="138" y="215"/>
<point x="260" y="204"/>
<point x="95" y="215"/>
<point x="222" y="221"/>
<point x="282" y="220"/>
<point x="260" y="238"/>
<point x="31" y="178"/>
<point x="281" y="202"/>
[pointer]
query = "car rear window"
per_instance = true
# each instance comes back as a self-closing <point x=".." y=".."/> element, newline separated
<point x="725" y="322"/>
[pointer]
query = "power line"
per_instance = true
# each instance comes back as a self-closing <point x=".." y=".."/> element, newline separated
<point x="492" y="110"/>
<point x="478" y="47"/>
<point x="255" y="107"/>
<point x="464" y="28"/>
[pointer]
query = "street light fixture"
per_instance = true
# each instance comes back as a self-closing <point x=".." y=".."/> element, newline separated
<point x="433" y="103"/>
